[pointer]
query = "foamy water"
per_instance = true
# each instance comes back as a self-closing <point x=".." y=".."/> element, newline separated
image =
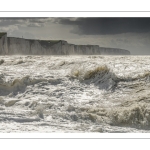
<point x="74" y="94"/>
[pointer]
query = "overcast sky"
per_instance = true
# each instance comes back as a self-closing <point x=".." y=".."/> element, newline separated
<point x="132" y="34"/>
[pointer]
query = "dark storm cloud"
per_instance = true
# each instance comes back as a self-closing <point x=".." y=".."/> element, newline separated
<point x="85" y="26"/>
<point x="103" y="26"/>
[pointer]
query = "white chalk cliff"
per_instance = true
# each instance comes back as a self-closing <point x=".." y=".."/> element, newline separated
<point x="12" y="46"/>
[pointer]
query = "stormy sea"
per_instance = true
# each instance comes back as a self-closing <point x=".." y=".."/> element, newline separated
<point x="104" y="94"/>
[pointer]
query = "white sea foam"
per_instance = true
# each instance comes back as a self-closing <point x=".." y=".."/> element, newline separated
<point x="75" y="93"/>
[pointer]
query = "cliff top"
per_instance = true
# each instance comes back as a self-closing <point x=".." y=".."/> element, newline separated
<point x="2" y="33"/>
<point x="48" y="43"/>
<point x="51" y="41"/>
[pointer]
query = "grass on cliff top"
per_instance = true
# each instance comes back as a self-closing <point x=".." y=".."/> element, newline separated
<point x="49" y="42"/>
<point x="2" y="33"/>
<point x="53" y="41"/>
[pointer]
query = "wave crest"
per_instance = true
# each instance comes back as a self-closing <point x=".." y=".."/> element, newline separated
<point x="103" y="76"/>
<point x="18" y="85"/>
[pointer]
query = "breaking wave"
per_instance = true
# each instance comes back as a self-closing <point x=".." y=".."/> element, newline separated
<point x="129" y="114"/>
<point x="99" y="75"/>
<point x="137" y="115"/>
<point x="20" y="84"/>
<point x="104" y="77"/>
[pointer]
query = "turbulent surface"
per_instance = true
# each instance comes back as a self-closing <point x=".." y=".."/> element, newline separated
<point x="74" y="94"/>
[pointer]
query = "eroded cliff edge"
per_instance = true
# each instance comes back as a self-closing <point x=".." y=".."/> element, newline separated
<point x="13" y="46"/>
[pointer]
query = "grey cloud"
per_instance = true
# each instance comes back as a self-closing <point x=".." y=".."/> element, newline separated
<point x="86" y="26"/>
<point x="35" y="25"/>
<point x="105" y="26"/>
<point x="27" y="22"/>
<point x="20" y="33"/>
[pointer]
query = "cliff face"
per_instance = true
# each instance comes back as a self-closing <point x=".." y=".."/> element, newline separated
<point x="12" y="46"/>
<point x="71" y="49"/>
<point x="3" y="44"/>
<point x="35" y="47"/>
<point x="113" y="51"/>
